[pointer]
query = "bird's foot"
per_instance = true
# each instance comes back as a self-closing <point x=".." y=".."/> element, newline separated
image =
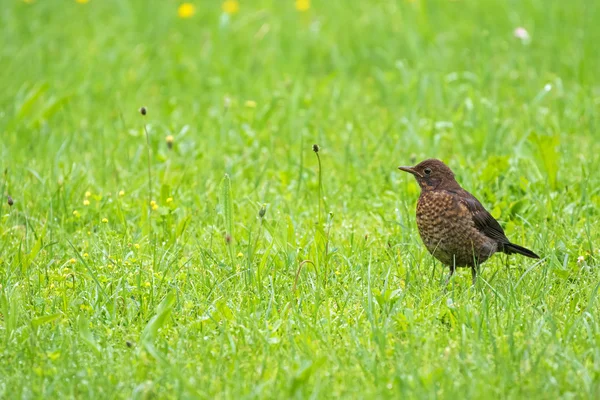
<point x="448" y="279"/>
<point x="474" y="275"/>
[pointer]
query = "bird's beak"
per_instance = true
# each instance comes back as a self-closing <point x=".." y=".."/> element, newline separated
<point x="410" y="170"/>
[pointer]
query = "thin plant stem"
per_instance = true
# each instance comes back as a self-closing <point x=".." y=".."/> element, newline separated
<point x="320" y="189"/>
<point x="149" y="168"/>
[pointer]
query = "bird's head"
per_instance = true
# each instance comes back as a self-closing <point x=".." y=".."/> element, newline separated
<point x="431" y="174"/>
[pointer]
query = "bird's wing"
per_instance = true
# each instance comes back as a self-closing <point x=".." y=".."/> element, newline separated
<point x="483" y="219"/>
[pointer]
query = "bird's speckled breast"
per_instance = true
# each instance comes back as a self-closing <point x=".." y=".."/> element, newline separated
<point x="448" y="231"/>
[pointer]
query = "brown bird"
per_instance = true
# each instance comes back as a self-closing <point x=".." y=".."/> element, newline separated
<point x="454" y="226"/>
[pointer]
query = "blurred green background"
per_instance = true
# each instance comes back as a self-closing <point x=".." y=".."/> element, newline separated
<point x="111" y="291"/>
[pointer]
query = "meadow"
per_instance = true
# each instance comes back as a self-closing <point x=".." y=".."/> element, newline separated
<point x="205" y="250"/>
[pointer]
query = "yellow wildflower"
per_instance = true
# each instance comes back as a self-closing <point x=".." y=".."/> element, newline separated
<point x="104" y="220"/>
<point x="86" y="202"/>
<point x="231" y="6"/>
<point x="153" y="205"/>
<point x="82" y="1"/>
<point x="121" y="193"/>
<point x="240" y="254"/>
<point x="76" y="214"/>
<point x="88" y="193"/>
<point x="73" y="261"/>
<point x="137" y="246"/>
<point x="170" y="139"/>
<point x="169" y="200"/>
<point x="147" y="284"/>
<point x="186" y="10"/>
<point x="250" y="104"/>
<point x="302" y="5"/>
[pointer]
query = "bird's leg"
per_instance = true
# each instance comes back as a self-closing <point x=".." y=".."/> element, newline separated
<point x="474" y="267"/>
<point x="450" y="275"/>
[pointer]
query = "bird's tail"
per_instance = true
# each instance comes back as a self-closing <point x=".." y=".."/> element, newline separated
<point x="511" y="248"/>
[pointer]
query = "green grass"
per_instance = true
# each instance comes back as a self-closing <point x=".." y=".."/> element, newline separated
<point x="320" y="297"/>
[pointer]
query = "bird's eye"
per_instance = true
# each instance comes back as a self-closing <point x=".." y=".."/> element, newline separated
<point x="427" y="171"/>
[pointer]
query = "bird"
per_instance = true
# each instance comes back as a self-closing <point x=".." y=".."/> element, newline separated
<point x="454" y="226"/>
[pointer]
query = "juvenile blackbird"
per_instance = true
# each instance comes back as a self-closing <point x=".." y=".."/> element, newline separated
<point x="455" y="227"/>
